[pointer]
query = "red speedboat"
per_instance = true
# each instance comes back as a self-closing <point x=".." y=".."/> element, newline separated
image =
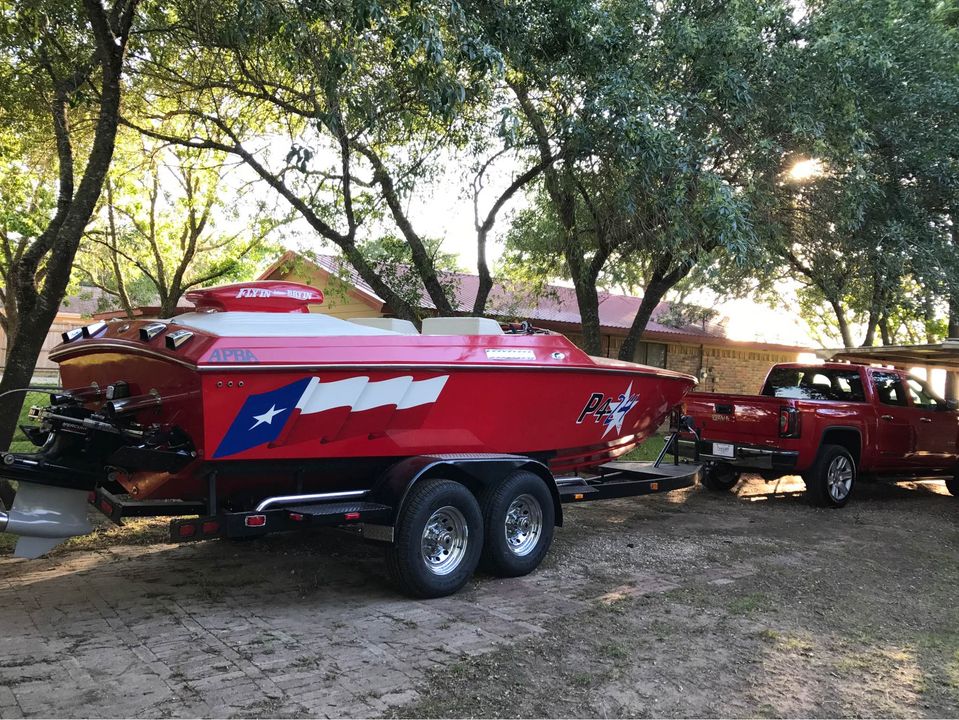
<point x="251" y="397"/>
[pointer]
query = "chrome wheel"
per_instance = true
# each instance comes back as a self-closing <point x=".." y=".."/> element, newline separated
<point x="524" y="525"/>
<point x="445" y="537"/>
<point x="839" y="478"/>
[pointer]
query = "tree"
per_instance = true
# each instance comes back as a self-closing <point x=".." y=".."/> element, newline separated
<point x="61" y="62"/>
<point x="869" y="237"/>
<point x="665" y="120"/>
<point x="362" y="94"/>
<point x="165" y="226"/>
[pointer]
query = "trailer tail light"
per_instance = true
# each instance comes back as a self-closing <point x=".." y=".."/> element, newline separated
<point x="788" y="422"/>
<point x="351" y="516"/>
<point x="255" y="520"/>
<point x="185" y="530"/>
<point x="210" y="527"/>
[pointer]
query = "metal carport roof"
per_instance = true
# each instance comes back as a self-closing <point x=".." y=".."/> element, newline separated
<point x="935" y="355"/>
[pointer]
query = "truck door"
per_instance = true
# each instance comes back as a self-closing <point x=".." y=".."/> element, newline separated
<point x="937" y="428"/>
<point x="895" y="436"/>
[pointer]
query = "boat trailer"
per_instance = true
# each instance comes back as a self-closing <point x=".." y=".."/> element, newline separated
<point x="52" y="499"/>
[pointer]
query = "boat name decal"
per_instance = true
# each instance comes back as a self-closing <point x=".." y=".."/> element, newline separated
<point x="308" y="410"/>
<point x="255" y="292"/>
<point x="609" y="410"/>
<point x="238" y="355"/>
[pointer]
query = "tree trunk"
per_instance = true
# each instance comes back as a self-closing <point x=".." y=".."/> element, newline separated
<point x="58" y="244"/>
<point x="886" y="336"/>
<point x="587" y="299"/>
<point x="485" y="284"/>
<point x="952" y="378"/>
<point x="652" y="296"/>
<point x="843" y="323"/>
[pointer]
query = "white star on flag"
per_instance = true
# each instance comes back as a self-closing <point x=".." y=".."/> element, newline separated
<point x="267" y="417"/>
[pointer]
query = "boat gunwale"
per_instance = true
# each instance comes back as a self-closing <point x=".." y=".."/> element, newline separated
<point x="119" y="345"/>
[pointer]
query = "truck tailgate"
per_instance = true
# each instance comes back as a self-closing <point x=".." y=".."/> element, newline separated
<point x="752" y="419"/>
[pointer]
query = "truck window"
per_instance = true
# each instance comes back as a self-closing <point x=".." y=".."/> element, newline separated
<point x="814" y="383"/>
<point x="921" y="397"/>
<point x="889" y="388"/>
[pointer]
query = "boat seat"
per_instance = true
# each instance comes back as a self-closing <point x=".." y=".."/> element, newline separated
<point x="461" y="326"/>
<point x="403" y="327"/>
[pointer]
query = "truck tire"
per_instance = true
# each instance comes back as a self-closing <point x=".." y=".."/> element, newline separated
<point x="438" y="540"/>
<point x="720" y="477"/>
<point x="518" y="523"/>
<point x="830" y="481"/>
<point x="952" y="485"/>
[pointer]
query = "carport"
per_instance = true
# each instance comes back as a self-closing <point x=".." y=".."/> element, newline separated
<point x="931" y="356"/>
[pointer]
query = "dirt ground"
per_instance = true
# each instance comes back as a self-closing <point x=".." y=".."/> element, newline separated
<point x="689" y="604"/>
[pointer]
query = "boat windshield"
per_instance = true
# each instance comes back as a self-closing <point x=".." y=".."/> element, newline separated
<point x="259" y="324"/>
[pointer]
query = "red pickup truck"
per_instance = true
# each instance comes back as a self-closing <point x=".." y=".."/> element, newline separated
<point x="830" y="423"/>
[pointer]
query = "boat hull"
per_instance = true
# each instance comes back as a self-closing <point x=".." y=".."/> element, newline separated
<point x="347" y="407"/>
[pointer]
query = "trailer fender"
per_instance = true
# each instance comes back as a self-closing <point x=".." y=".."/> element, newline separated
<point x="476" y="471"/>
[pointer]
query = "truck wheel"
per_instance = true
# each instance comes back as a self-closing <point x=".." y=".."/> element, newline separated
<point x="952" y="485"/>
<point x="830" y="481"/>
<point x="720" y="477"/>
<point x="439" y="537"/>
<point x="518" y="518"/>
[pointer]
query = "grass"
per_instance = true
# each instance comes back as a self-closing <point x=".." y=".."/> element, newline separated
<point x="20" y="442"/>
<point x="648" y="450"/>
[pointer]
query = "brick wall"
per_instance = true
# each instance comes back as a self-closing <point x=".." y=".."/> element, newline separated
<point x="727" y="370"/>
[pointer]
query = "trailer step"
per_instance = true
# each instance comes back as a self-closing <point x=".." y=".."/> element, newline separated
<point x="340" y="511"/>
<point x="573" y="489"/>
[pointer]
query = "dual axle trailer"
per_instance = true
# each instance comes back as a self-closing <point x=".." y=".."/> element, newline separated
<point x="439" y="516"/>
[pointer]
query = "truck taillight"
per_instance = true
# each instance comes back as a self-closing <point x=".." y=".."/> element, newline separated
<point x="788" y="422"/>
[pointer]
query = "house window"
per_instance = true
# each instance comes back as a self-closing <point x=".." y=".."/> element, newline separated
<point x="649" y="353"/>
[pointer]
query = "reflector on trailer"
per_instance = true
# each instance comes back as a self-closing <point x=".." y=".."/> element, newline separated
<point x="186" y="530"/>
<point x="351" y="516"/>
<point x="210" y="527"/>
<point x="296" y="516"/>
<point x="254" y="520"/>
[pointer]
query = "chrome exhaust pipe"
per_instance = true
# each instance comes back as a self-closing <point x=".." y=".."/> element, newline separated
<point x="4" y="519"/>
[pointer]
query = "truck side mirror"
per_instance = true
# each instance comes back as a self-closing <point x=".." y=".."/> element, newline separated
<point x="952" y="404"/>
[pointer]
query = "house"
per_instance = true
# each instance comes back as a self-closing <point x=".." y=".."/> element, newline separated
<point x="702" y="349"/>
<point x="73" y="312"/>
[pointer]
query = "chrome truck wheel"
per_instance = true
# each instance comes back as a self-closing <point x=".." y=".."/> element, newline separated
<point x="831" y="480"/>
<point x="438" y="538"/>
<point x="518" y="516"/>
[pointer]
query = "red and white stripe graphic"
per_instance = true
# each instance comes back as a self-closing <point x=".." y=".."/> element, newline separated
<point x="355" y="406"/>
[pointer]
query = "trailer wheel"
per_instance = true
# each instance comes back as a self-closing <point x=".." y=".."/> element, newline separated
<point x="952" y="485"/>
<point x="720" y="477"/>
<point x="830" y="481"/>
<point x="439" y="537"/>
<point x="519" y="519"/>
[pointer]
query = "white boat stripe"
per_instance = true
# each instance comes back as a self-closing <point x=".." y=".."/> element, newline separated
<point x="422" y="392"/>
<point x="341" y="393"/>
<point x="305" y="397"/>
<point x="384" y="392"/>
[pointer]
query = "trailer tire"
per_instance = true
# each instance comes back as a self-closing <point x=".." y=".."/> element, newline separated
<point x="518" y="519"/>
<point x="720" y="477"/>
<point x="438" y="540"/>
<point x="830" y="481"/>
<point x="952" y="485"/>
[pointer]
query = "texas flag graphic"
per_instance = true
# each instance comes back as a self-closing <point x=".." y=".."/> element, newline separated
<point x="311" y="410"/>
